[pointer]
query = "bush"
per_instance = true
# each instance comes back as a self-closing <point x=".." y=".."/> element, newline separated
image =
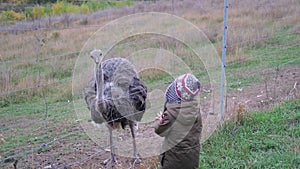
<point x="38" y="11"/>
<point x="119" y="4"/>
<point x="11" y="16"/>
<point x="96" y="5"/>
<point x="48" y="9"/>
<point x="84" y="8"/>
<point x="64" y="7"/>
<point x="58" y="8"/>
<point x="61" y="7"/>
<point x="28" y="12"/>
<point x="71" y="8"/>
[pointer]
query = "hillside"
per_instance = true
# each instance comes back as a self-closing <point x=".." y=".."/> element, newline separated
<point x="40" y="110"/>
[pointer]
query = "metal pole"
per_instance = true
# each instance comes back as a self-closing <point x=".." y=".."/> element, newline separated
<point x="223" y="61"/>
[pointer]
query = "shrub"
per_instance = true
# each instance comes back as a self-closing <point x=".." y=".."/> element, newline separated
<point x="28" y="12"/>
<point x="58" y="8"/>
<point x="48" y="9"/>
<point x="62" y="7"/>
<point x="84" y="8"/>
<point x="119" y="4"/>
<point x="55" y="35"/>
<point x="38" y="11"/>
<point x="11" y="16"/>
<point x="70" y="8"/>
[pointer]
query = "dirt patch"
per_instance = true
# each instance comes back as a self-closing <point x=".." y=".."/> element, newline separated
<point x="277" y="86"/>
<point x="77" y="151"/>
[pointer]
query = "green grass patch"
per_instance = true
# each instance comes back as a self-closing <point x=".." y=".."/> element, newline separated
<point x="261" y="140"/>
<point x="237" y="81"/>
<point x="29" y="69"/>
<point x="59" y="74"/>
<point x="280" y="51"/>
<point x="22" y="109"/>
<point x="245" y="64"/>
<point x="278" y="56"/>
<point x="26" y="125"/>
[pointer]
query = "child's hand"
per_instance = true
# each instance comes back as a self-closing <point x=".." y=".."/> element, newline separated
<point x="159" y="116"/>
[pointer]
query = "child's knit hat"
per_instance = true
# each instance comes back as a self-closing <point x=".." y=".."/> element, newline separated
<point x="184" y="88"/>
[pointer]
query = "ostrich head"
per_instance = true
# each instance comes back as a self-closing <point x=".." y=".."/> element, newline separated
<point x="96" y="55"/>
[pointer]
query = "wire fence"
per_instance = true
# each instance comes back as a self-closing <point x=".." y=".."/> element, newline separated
<point x="39" y="128"/>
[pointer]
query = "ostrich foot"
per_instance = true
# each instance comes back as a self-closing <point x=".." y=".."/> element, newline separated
<point x="110" y="161"/>
<point x="137" y="159"/>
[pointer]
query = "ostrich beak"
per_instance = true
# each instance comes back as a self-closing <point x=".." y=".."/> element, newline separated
<point x="96" y="55"/>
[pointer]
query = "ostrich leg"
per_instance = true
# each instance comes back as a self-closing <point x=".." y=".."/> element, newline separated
<point x="112" y="158"/>
<point x="137" y="159"/>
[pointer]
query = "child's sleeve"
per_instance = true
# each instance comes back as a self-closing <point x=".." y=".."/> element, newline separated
<point x="162" y="128"/>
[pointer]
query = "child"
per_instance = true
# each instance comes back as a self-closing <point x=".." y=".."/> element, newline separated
<point x="180" y="124"/>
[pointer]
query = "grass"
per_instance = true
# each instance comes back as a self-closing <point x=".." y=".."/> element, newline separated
<point x="27" y="126"/>
<point x="260" y="140"/>
<point x="60" y="7"/>
<point x="238" y="81"/>
<point x="279" y="51"/>
<point x="278" y="44"/>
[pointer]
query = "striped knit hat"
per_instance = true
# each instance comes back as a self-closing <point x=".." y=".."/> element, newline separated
<point x="184" y="88"/>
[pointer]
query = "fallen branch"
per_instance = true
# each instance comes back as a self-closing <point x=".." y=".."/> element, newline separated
<point x="294" y="89"/>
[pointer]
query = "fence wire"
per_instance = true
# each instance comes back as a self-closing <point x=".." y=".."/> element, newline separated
<point x="36" y="128"/>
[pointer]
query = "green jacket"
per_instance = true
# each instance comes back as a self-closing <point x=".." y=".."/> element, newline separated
<point x="181" y="126"/>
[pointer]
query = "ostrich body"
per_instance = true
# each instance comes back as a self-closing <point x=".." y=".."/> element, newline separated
<point x="116" y="97"/>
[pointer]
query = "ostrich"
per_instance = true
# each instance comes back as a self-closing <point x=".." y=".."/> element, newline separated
<point x="116" y="97"/>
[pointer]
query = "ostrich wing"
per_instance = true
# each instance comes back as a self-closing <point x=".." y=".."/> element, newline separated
<point x="138" y="94"/>
<point x="90" y="99"/>
<point x="109" y="114"/>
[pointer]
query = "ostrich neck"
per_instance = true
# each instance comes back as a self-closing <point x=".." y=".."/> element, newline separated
<point x="99" y="81"/>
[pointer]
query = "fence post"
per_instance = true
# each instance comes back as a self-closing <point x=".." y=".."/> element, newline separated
<point x="223" y="61"/>
<point x="40" y="85"/>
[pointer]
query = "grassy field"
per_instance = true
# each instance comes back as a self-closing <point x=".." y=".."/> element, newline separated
<point x="259" y="140"/>
<point x="38" y="123"/>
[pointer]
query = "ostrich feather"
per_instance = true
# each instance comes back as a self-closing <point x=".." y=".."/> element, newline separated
<point x="124" y="94"/>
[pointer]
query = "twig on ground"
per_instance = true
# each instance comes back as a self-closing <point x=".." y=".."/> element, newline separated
<point x="293" y="90"/>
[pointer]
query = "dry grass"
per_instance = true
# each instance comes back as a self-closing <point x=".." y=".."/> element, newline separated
<point x="249" y="23"/>
<point x="40" y="61"/>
